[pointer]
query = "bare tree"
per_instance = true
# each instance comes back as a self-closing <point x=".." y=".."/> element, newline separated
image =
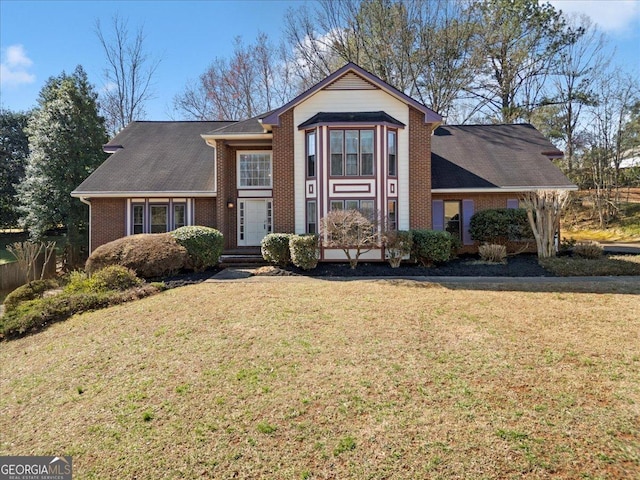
<point x="129" y="74"/>
<point x="254" y="80"/>
<point x="544" y="208"/>
<point x="350" y="231"/>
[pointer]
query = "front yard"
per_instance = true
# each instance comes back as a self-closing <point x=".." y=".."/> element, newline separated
<point x="334" y="379"/>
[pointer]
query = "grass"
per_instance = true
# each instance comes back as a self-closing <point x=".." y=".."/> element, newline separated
<point x="388" y="379"/>
<point x="603" y="266"/>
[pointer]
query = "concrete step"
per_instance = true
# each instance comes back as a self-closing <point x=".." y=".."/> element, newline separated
<point x="241" y="260"/>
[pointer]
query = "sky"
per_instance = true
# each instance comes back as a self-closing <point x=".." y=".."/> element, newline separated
<point x="43" y="38"/>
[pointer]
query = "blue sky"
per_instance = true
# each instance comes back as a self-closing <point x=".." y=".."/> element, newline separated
<point x="40" y="39"/>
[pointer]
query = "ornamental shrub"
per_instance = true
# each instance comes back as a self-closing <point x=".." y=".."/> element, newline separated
<point x="431" y="246"/>
<point x="500" y="225"/>
<point x="304" y="251"/>
<point x="589" y="250"/>
<point x="150" y="255"/>
<point x="275" y="248"/>
<point x="204" y="245"/>
<point x="114" y="277"/>
<point x="494" y="253"/>
<point x="397" y="244"/>
<point x="29" y="291"/>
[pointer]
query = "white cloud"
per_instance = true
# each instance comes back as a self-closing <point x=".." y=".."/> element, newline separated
<point x="613" y="16"/>
<point x="14" y="67"/>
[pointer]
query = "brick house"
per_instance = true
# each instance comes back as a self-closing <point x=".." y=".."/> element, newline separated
<point x="350" y="141"/>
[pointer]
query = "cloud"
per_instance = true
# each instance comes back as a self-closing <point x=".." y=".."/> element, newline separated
<point x="613" y="16"/>
<point x="14" y="67"/>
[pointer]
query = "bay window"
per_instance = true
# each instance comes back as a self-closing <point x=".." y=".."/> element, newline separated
<point x="351" y="152"/>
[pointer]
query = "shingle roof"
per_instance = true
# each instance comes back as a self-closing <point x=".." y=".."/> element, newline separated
<point x="351" y="117"/>
<point x="251" y="125"/>
<point x="156" y="157"/>
<point x="493" y="156"/>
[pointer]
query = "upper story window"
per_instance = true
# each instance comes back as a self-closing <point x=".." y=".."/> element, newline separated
<point x="254" y="170"/>
<point x="351" y="152"/>
<point x="392" y="152"/>
<point x="311" y="154"/>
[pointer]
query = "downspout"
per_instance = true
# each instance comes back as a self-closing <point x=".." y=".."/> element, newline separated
<point x="87" y="202"/>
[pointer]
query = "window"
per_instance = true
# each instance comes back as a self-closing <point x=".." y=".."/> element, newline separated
<point x="138" y="219"/>
<point x="179" y="215"/>
<point x="452" y="218"/>
<point x="312" y="217"/>
<point x="336" y="141"/>
<point x="159" y="220"/>
<point x="336" y="204"/>
<point x="392" y="148"/>
<point x="351" y="152"/>
<point x="392" y="218"/>
<point x="311" y="154"/>
<point x="366" y="207"/>
<point x="254" y="170"/>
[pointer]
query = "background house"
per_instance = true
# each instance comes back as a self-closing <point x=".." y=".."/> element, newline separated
<point x="350" y="141"/>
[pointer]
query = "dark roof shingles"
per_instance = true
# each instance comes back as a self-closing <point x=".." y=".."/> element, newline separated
<point x="157" y="157"/>
<point x="490" y="156"/>
<point x="351" y="117"/>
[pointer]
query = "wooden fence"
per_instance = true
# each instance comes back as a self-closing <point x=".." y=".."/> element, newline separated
<point x="12" y="276"/>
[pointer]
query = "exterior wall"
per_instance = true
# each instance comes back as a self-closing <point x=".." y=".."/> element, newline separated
<point x="419" y="171"/>
<point x="226" y="183"/>
<point x="205" y="212"/>
<point x="484" y="201"/>
<point x="284" y="171"/>
<point x="349" y="101"/>
<point x="108" y="220"/>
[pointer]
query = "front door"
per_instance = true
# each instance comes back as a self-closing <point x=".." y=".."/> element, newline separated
<point x="254" y="221"/>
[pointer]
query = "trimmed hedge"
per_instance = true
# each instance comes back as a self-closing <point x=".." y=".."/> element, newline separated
<point x="304" y="251"/>
<point x="431" y="246"/>
<point x="204" y="245"/>
<point x="275" y="248"/>
<point x="500" y="225"/>
<point x="150" y="255"/>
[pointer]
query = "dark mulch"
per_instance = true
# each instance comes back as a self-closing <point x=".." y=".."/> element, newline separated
<point x="189" y="278"/>
<point x="523" y="265"/>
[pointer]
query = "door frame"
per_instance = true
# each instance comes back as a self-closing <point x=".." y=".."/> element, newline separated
<point x="268" y="220"/>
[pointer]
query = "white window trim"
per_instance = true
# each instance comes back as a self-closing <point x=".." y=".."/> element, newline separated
<point x="253" y="152"/>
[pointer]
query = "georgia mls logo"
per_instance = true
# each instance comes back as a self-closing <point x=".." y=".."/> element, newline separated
<point x="35" y="468"/>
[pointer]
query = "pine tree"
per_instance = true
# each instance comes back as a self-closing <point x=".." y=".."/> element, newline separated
<point x="14" y="149"/>
<point x="66" y="135"/>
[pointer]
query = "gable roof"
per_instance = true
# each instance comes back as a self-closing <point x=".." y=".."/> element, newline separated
<point x="481" y="157"/>
<point x="273" y="118"/>
<point x="151" y="157"/>
<point x="243" y="127"/>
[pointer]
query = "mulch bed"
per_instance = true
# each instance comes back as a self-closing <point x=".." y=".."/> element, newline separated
<point x="523" y="265"/>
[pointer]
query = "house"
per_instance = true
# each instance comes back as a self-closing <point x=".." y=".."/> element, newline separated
<point x="350" y="141"/>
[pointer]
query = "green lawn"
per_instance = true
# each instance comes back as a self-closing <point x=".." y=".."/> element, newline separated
<point x="294" y="378"/>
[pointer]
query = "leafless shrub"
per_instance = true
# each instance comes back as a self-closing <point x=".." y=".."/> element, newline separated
<point x="493" y="253"/>
<point x="590" y="250"/>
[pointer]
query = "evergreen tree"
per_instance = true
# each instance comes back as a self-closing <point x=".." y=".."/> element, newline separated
<point x="66" y="135"/>
<point x="14" y="149"/>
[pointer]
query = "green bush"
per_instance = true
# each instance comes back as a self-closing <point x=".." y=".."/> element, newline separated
<point x="304" y="251"/>
<point x="150" y="255"/>
<point x="114" y="277"/>
<point x="397" y="244"/>
<point x="30" y="291"/>
<point x="500" y="225"/>
<point x="431" y="246"/>
<point x="204" y="245"/>
<point x="275" y="248"/>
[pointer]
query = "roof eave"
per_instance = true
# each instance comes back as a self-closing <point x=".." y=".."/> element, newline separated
<point x="149" y="194"/>
<point x="511" y="189"/>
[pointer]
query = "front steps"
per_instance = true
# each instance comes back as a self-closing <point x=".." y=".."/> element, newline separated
<point x="242" y="258"/>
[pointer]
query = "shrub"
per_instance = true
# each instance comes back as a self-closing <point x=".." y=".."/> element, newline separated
<point x="397" y="243"/>
<point x="494" y="253"/>
<point x="500" y="225"/>
<point x="29" y="291"/>
<point x="149" y="255"/>
<point x="114" y="277"/>
<point x="304" y="251"/>
<point x="430" y="246"/>
<point x="275" y="248"/>
<point x="204" y="245"/>
<point x="589" y="250"/>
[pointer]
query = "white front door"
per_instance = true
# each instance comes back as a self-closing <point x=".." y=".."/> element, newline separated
<point x="254" y="221"/>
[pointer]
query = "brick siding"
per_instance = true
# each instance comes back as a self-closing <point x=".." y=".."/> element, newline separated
<point x="283" y="175"/>
<point x="108" y="220"/>
<point x="419" y="170"/>
<point x="205" y="212"/>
